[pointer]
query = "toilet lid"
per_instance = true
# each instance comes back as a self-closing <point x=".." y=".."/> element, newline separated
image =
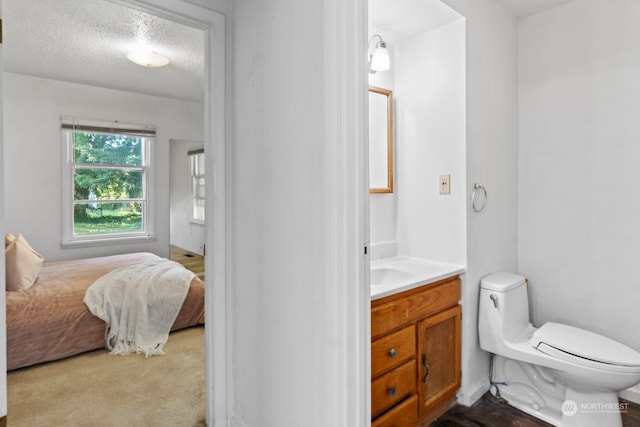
<point x="571" y="344"/>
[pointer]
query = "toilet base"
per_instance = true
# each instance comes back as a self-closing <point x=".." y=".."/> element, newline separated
<point x="594" y="409"/>
<point x="533" y="389"/>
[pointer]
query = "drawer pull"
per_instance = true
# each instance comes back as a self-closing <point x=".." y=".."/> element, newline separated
<point x="426" y="368"/>
<point x="393" y="353"/>
<point x="392" y="391"/>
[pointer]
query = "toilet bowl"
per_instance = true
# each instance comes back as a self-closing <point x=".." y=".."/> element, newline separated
<point x="564" y="375"/>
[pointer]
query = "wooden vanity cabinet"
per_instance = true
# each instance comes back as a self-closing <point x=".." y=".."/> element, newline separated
<point x="439" y="350"/>
<point x="415" y="354"/>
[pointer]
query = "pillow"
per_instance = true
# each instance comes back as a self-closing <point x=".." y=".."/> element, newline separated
<point x="8" y="238"/>
<point x="22" y="263"/>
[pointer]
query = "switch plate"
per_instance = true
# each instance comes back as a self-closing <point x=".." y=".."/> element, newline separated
<point x="445" y="184"/>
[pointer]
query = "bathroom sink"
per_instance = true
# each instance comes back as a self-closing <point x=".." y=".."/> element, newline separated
<point x="392" y="275"/>
<point x="388" y="275"/>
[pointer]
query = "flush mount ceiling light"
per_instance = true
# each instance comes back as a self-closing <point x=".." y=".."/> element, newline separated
<point x="379" y="58"/>
<point x="148" y="58"/>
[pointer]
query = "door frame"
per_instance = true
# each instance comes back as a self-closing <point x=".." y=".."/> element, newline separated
<point x="213" y="21"/>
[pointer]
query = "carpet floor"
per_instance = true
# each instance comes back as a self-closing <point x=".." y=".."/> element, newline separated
<point x="98" y="389"/>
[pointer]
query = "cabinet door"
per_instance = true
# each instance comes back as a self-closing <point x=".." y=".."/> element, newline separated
<point x="438" y="358"/>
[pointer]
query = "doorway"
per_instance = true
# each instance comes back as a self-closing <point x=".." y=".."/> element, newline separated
<point x="214" y="106"/>
<point x="187" y="213"/>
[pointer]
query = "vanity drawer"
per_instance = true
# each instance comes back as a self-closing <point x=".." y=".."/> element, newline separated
<point x="393" y="349"/>
<point x="397" y="310"/>
<point x="403" y="415"/>
<point x="393" y="387"/>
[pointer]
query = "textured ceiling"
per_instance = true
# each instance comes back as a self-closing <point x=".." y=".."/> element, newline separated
<point x="86" y="41"/>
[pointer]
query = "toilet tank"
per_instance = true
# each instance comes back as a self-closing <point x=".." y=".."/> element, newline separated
<point x="504" y="310"/>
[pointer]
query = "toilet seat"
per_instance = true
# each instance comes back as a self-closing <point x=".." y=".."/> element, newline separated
<point x="584" y="348"/>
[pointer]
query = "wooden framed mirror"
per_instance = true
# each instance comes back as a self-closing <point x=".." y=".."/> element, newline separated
<point x="380" y="140"/>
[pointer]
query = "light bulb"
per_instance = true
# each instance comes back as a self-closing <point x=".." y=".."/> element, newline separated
<point x="380" y="60"/>
<point x="147" y="58"/>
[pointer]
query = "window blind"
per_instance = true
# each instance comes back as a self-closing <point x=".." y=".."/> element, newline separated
<point x="80" y="125"/>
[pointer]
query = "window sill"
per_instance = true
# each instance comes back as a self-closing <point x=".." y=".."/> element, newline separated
<point x="107" y="241"/>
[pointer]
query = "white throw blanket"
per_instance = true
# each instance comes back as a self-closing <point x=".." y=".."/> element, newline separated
<point x="139" y="303"/>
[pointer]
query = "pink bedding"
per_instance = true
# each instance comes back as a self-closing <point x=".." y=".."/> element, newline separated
<point x="50" y="321"/>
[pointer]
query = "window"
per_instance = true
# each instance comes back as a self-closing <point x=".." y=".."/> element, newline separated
<point x="196" y="166"/>
<point x="106" y="182"/>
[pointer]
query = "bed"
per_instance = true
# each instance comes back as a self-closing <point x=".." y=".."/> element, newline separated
<point x="49" y="321"/>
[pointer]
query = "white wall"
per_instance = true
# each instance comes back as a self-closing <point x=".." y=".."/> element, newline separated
<point x="32" y="154"/>
<point x="431" y="140"/>
<point x="492" y="160"/>
<point x="579" y="204"/>
<point x="184" y="233"/>
<point x="278" y="285"/>
<point x="427" y="77"/>
<point x="297" y="343"/>
<point x="382" y="206"/>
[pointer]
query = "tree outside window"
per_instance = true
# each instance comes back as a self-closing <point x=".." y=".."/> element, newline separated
<point x="108" y="183"/>
<point x="107" y="177"/>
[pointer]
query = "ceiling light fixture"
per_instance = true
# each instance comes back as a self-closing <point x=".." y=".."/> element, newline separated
<point x="379" y="59"/>
<point x="148" y="58"/>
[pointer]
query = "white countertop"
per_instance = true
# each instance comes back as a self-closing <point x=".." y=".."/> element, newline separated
<point x="393" y="275"/>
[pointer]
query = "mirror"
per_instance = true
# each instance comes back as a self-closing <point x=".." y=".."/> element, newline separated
<point x="380" y="140"/>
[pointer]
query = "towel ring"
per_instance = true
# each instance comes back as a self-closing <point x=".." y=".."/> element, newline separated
<point x="477" y="187"/>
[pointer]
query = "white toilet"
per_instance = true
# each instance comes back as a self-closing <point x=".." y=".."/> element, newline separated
<point x="563" y="375"/>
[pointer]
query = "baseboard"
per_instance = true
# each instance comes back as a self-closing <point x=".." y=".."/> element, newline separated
<point x="473" y="393"/>
<point x="632" y="394"/>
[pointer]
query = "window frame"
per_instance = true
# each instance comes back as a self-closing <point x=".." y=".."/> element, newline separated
<point x="147" y="133"/>
<point x="192" y="155"/>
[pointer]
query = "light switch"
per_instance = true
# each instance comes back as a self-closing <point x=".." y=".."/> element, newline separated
<point x="445" y="184"/>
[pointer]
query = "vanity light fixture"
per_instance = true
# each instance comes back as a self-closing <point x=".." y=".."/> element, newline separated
<point x="147" y="58"/>
<point x="379" y="58"/>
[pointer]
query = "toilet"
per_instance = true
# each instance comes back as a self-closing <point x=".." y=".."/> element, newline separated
<point x="563" y="375"/>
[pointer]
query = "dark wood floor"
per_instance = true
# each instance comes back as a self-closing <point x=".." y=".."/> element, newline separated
<point x="488" y="412"/>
